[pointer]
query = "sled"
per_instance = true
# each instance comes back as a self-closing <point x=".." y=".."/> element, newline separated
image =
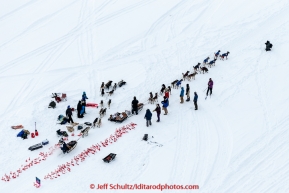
<point x="118" y="119"/>
<point x="17" y="127"/>
<point x="109" y="158"/>
<point x="72" y="145"/>
<point x="92" y="105"/>
<point x="36" y="146"/>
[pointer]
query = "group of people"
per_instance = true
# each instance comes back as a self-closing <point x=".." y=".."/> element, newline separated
<point x="165" y="102"/>
<point x="188" y="96"/>
<point x="80" y="109"/>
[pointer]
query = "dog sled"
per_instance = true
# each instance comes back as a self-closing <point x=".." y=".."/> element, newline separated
<point x="109" y="158"/>
<point x="36" y="146"/>
<point x="91" y="105"/>
<point x="17" y="127"/>
<point x="118" y="117"/>
<point x="140" y="106"/>
<point x="67" y="147"/>
<point x="59" y="97"/>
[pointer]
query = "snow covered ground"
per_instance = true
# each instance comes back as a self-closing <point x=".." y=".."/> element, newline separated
<point x="237" y="140"/>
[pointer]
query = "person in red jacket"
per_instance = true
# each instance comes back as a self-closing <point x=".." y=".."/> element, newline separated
<point x="167" y="93"/>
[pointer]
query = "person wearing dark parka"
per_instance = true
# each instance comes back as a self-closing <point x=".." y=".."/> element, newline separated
<point x="148" y="117"/>
<point x="196" y="100"/>
<point x="134" y="105"/>
<point x="69" y="114"/>
<point x="158" y="110"/>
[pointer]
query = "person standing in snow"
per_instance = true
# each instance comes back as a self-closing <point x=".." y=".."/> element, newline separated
<point x="79" y="107"/>
<point x="148" y="117"/>
<point x="268" y="46"/>
<point x="210" y="86"/>
<point x="165" y="103"/>
<point x="134" y="105"/>
<point x="196" y="100"/>
<point x="188" y="92"/>
<point x="83" y="104"/>
<point x="167" y="93"/>
<point x="84" y="97"/>
<point x="69" y="114"/>
<point x="158" y="110"/>
<point x="182" y="95"/>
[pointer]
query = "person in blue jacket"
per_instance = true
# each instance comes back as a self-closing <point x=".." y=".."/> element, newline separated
<point x="148" y="117"/>
<point x="83" y="101"/>
<point x="196" y="100"/>
<point x="165" y="103"/>
<point x="179" y="83"/>
<point x="84" y="97"/>
<point x="182" y="95"/>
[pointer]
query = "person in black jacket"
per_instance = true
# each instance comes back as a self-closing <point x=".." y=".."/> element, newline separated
<point x="158" y="110"/>
<point x="79" y="110"/>
<point x="188" y="92"/>
<point x="268" y="46"/>
<point x="69" y="114"/>
<point x="148" y="117"/>
<point x="134" y="105"/>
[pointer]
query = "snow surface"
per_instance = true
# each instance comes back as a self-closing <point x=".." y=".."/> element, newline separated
<point x="236" y="142"/>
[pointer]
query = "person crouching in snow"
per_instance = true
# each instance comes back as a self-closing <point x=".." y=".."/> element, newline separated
<point x="158" y="110"/>
<point x="182" y="95"/>
<point x="148" y="117"/>
<point x="165" y="103"/>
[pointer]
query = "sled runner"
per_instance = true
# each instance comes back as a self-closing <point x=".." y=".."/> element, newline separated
<point x="91" y="105"/>
<point x="17" y="127"/>
<point x="109" y="158"/>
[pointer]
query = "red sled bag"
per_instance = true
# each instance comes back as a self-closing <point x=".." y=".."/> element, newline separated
<point x="91" y="105"/>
